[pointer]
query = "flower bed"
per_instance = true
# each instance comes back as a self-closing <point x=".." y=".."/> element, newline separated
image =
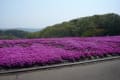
<point x="45" y="51"/>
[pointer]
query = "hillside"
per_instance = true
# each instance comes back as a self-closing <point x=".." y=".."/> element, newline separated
<point x="97" y="25"/>
<point x="45" y="51"/>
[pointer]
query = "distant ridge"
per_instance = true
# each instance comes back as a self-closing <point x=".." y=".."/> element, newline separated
<point x="22" y="29"/>
<point x="28" y="29"/>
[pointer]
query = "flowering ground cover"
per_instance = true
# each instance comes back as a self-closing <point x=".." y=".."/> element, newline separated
<point x="45" y="51"/>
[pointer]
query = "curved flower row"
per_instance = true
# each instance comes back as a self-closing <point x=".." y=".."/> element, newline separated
<point x="29" y="52"/>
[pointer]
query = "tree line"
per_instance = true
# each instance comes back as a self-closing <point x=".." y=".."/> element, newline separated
<point x="13" y="34"/>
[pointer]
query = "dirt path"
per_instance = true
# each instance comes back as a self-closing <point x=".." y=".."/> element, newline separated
<point x="109" y="70"/>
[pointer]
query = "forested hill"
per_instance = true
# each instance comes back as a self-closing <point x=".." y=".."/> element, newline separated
<point x="97" y="25"/>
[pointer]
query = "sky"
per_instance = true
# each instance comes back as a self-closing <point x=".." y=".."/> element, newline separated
<point x="43" y="13"/>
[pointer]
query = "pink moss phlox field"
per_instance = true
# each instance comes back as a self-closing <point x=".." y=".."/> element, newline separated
<point x="45" y="51"/>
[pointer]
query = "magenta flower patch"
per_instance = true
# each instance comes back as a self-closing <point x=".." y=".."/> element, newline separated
<point x="45" y="51"/>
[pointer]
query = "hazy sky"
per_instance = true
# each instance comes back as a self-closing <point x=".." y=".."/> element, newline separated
<point x="41" y="13"/>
